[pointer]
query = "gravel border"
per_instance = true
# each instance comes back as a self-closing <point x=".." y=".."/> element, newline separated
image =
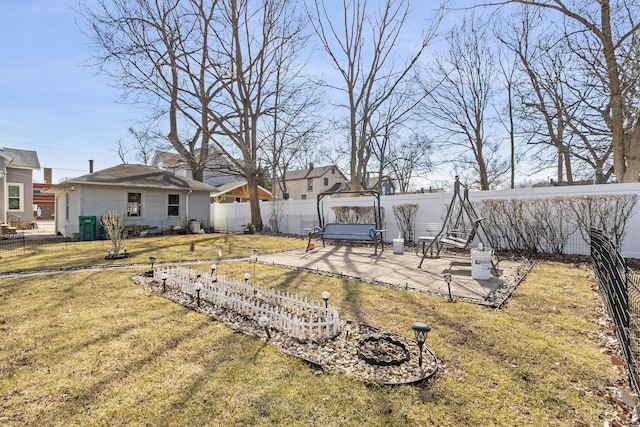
<point x="337" y="355"/>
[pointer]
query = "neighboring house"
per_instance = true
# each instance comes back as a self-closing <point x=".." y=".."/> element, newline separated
<point x="146" y="198"/>
<point x="16" y="188"/>
<point x="219" y="169"/>
<point x="43" y="202"/>
<point x="237" y="192"/>
<point x="220" y="173"/>
<point x="308" y="183"/>
<point x="387" y="187"/>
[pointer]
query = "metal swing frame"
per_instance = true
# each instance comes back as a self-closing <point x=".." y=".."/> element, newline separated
<point x="456" y="237"/>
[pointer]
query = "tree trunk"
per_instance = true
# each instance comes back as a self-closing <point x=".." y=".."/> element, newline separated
<point x="254" y="199"/>
<point x="617" y="103"/>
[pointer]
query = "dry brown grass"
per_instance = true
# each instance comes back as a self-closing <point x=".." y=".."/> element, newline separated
<point x="93" y="348"/>
<point x="40" y="256"/>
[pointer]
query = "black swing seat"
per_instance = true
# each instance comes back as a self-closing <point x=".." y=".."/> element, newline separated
<point x="349" y="232"/>
<point x="461" y="238"/>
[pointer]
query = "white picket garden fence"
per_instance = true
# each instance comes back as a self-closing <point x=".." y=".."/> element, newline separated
<point x="297" y="317"/>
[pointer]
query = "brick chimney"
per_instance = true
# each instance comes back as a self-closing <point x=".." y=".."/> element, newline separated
<point x="47" y="176"/>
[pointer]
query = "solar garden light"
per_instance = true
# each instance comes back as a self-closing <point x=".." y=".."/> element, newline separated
<point x="247" y="276"/>
<point x="164" y="282"/>
<point x="198" y="288"/>
<point x="152" y="260"/>
<point x="447" y="278"/>
<point x="213" y="273"/>
<point x="255" y="261"/>
<point x="263" y="322"/>
<point x="421" y="330"/>
<point x="125" y="251"/>
<point x="325" y="297"/>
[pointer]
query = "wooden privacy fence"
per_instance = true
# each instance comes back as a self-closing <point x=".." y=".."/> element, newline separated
<point x="297" y="317"/>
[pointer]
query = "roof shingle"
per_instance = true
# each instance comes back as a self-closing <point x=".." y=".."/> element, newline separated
<point x="23" y="159"/>
<point x="137" y="176"/>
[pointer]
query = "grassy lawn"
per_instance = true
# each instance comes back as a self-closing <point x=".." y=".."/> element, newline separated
<point x="92" y="348"/>
<point x="26" y="255"/>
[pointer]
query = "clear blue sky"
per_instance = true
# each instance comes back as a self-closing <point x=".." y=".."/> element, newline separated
<point x="49" y="101"/>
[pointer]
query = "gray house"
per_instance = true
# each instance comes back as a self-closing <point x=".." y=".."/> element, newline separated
<point x="146" y="199"/>
<point x="16" y="188"/>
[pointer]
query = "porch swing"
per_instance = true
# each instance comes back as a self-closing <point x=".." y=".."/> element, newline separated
<point x="460" y="226"/>
<point x="369" y="232"/>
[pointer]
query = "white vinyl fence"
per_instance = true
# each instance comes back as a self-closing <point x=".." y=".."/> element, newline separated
<point x="302" y="319"/>
<point x="298" y="217"/>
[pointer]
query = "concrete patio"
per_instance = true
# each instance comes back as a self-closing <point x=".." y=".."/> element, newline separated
<point x="400" y="271"/>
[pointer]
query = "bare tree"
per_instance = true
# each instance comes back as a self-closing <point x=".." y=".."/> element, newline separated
<point x="114" y="227"/>
<point x="256" y="45"/>
<point x="142" y="148"/>
<point x="507" y="64"/>
<point x="144" y="145"/>
<point x="208" y="66"/>
<point x="545" y="105"/>
<point x="409" y="157"/>
<point x="560" y="102"/>
<point x="614" y="25"/>
<point x="362" y="45"/>
<point x="458" y="103"/>
<point x="295" y="121"/>
<point x="148" y="48"/>
<point x="123" y="151"/>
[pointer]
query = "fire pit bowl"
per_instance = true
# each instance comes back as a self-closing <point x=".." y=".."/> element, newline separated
<point x="383" y="350"/>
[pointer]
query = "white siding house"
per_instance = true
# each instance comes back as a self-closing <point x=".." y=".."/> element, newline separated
<point x="143" y="196"/>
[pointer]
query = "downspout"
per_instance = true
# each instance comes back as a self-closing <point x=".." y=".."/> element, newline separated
<point x="186" y="211"/>
<point x="5" y="196"/>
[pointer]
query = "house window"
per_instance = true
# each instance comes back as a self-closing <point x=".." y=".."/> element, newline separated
<point x="15" y="197"/>
<point x="309" y="184"/>
<point x="326" y="182"/>
<point x="333" y="171"/>
<point x="134" y="204"/>
<point x="66" y="206"/>
<point x="303" y="197"/>
<point x="173" y="205"/>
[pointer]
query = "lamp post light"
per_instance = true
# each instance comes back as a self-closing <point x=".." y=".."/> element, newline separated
<point x="247" y="276"/>
<point x="198" y="288"/>
<point x="164" y="282"/>
<point x="255" y="261"/>
<point x="213" y="273"/>
<point x="152" y="260"/>
<point x="447" y="278"/>
<point x="421" y="330"/>
<point x="325" y="297"/>
<point x="263" y="322"/>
